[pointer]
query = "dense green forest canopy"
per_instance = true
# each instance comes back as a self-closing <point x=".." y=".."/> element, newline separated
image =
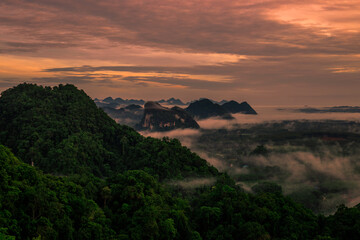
<point x="111" y="184"/>
<point x="61" y="131"/>
<point x="134" y="205"/>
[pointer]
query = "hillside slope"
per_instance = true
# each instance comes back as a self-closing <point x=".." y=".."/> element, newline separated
<point x="61" y="131"/>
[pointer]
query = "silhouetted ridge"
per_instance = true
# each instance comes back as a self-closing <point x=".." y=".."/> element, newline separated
<point x="108" y="100"/>
<point x="235" y="107"/>
<point x="171" y="101"/>
<point x="205" y="108"/>
<point x="133" y="107"/>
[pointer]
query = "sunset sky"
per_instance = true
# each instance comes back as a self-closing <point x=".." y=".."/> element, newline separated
<point x="268" y="52"/>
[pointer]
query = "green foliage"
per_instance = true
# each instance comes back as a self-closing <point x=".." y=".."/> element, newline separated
<point x="114" y="188"/>
<point x="345" y="223"/>
<point x="61" y="131"/>
<point x="141" y="209"/>
<point x="225" y="210"/>
<point x="33" y="204"/>
<point x="267" y="187"/>
<point x="4" y="235"/>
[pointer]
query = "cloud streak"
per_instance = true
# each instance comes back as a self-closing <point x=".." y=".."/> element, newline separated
<point x="302" y="51"/>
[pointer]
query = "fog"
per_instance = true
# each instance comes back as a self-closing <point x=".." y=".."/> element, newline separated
<point x="301" y="164"/>
<point x="186" y="136"/>
<point x="335" y="178"/>
<point x="215" y="123"/>
<point x="326" y="176"/>
<point x="291" y="113"/>
<point x="274" y="114"/>
<point x="192" y="183"/>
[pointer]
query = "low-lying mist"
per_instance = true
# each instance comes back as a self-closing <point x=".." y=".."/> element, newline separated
<point x="320" y="182"/>
<point x="186" y="136"/>
<point x="193" y="183"/>
<point x="274" y="114"/>
<point x="315" y="160"/>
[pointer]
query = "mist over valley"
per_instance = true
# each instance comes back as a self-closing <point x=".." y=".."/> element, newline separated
<point x="313" y="156"/>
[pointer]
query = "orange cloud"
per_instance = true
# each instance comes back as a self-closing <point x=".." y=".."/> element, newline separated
<point x="264" y="51"/>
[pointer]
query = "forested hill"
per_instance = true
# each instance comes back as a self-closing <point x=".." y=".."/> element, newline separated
<point x="61" y="131"/>
<point x="130" y="205"/>
<point x="133" y="205"/>
<point x="111" y="188"/>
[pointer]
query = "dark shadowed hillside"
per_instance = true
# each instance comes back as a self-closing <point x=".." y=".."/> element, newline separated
<point x="235" y="107"/>
<point x="204" y="108"/>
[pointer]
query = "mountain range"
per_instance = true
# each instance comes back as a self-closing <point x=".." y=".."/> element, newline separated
<point x="119" y="101"/>
<point x="155" y="117"/>
<point x="170" y="101"/>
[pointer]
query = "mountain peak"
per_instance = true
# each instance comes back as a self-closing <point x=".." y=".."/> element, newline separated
<point x="205" y="108"/>
<point x="159" y="118"/>
<point x="108" y="99"/>
<point x="235" y="107"/>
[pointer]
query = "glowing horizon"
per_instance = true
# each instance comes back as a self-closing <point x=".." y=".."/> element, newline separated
<point x="270" y="52"/>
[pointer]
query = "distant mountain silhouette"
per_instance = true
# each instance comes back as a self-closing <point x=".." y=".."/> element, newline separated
<point x="159" y="118"/>
<point x="213" y="101"/>
<point x="172" y="101"/>
<point x="106" y="103"/>
<point x="133" y="107"/>
<point x="118" y="101"/>
<point x="205" y="108"/>
<point x="130" y="111"/>
<point x="134" y="101"/>
<point x="235" y="107"/>
<point x="121" y="101"/>
<point x="108" y="100"/>
<point x="335" y="109"/>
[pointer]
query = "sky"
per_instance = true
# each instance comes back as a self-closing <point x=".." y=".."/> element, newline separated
<point x="267" y="52"/>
